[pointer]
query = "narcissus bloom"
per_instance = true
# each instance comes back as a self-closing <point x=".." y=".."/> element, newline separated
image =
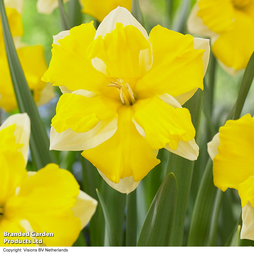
<point x="98" y="9"/>
<point x="32" y="61"/>
<point x="45" y="201"/>
<point x="230" y="25"/>
<point x="232" y="153"/>
<point x="123" y="92"/>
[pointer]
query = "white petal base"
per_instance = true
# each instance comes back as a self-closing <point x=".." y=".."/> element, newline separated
<point x="247" y="231"/>
<point x="125" y="185"/>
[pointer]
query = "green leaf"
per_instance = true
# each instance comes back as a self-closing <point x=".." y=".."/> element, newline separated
<point x="110" y="229"/>
<point x="131" y="219"/>
<point x="203" y="209"/>
<point x="64" y="18"/>
<point x="244" y="88"/>
<point x="39" y="142"/>
<point x="136" y="12"/>
<point x="236" y="238"/>
<point x="157" y="228"/>
<point x="183" y="170"/>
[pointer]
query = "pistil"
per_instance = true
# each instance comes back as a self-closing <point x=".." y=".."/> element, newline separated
<point x="239" y="4"/>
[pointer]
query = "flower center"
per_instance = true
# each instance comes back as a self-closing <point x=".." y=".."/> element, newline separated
<point x="240" y="3"/>
<point x="126" y="94"/>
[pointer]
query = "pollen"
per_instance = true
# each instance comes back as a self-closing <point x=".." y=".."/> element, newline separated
<point x="126" y="94"/>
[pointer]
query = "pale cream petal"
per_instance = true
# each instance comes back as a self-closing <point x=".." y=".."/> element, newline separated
<point x="230" y="70"/>
<point x="15" y="4"/>
<point x="125" y="185"/>
<point x="64" y="89"/>
<point x="47" y="6"/>
<point x="188" y="150"/>
<point x="170" y="100"/>
<point x="182" y="98"/>
<point x="59" y="36"/>
<point x="213" y="145"/>
<point x="196" y="26"/>
<point x="200" y="43"/>
<point x="22" y="131"/>
<point x="72" y="141"/>
<point x="84" y="208"/>
<point x="46" y="95"/>
<point x="247" y="231"/>
<point x="119" y="15"/>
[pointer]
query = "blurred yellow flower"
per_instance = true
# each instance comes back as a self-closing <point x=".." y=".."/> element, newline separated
<point x="45" y="201"/>
<point x="123" y="92"/>
<point x="98" y="9"/>
<point x="232" y="153"/>
<point x="32" y="61"/>
<point x="230" y="25"/>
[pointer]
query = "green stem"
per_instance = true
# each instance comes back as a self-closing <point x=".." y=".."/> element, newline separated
<point x="75" y="15"/>
<point x="131" y="219"/>
<point x="64" y="19"/>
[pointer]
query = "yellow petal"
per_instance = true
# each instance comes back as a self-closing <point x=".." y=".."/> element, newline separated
<point x="234" y="48"/>
<point x="216" y="14"/>
<point x="101" y="8"/>
<point x="33" y="73"/>
<point x="21" y="132"/>
<point x="247" y="231"/>
<point x="70" y="65"/>
<point x="45" y="200"/>
<point x="163" y="124"/>
<point x="84" y="208"/>
<point x="195" y="24"/>
<point x="246" y="191"/>
<point x="175" y="53"/>
<point x="125" y="45"/>
<point x="81" y="113"/>
<point x="47" y="6"/>
<point x="125" y="154"/>
<point x="235" y="153"/>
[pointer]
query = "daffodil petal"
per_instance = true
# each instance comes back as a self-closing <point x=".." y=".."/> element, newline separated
<point x="82" y="113"/>
<point x="84" y="208"/>
<point x="175" y="53"/>
<point x="45" y="200"/>
<point x="21" y="133"/>
<point x="235" y="47"/>
<point x="195" y="24"/>
<point x="72" y="141"/>
<point x="217" y="19"/>
<point x="125" y="185"/>
<point x="235" y="153"/>
<point x="119" y="15"/>
<point x="128" y="153"/>
<point x="247" y="231"/>
<point x="246" y="190"/>
<point x="212" y="146"/>
<point x="188" y="150"/>
<point x="163" y="124"/>
<point x="70" y="65"/>
<point x="101" y="8"/>
<point x="125" y="45"/>
<point x="16" y="4"/>
<point x="60" y="36"/>
<point x="47" y="6"/>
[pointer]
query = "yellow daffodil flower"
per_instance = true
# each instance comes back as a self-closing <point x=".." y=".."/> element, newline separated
<point x="32" y="61"/>
<point x="232" y="153"/>
<point x="123" y="92"/>
<point x="35" y="202"/>
<point x="230" y="25"/>
<point x="98" y="9"/>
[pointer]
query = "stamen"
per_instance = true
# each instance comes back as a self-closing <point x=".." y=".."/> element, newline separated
<point x="126" y="94"/>
<point x="1" y="211"/>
